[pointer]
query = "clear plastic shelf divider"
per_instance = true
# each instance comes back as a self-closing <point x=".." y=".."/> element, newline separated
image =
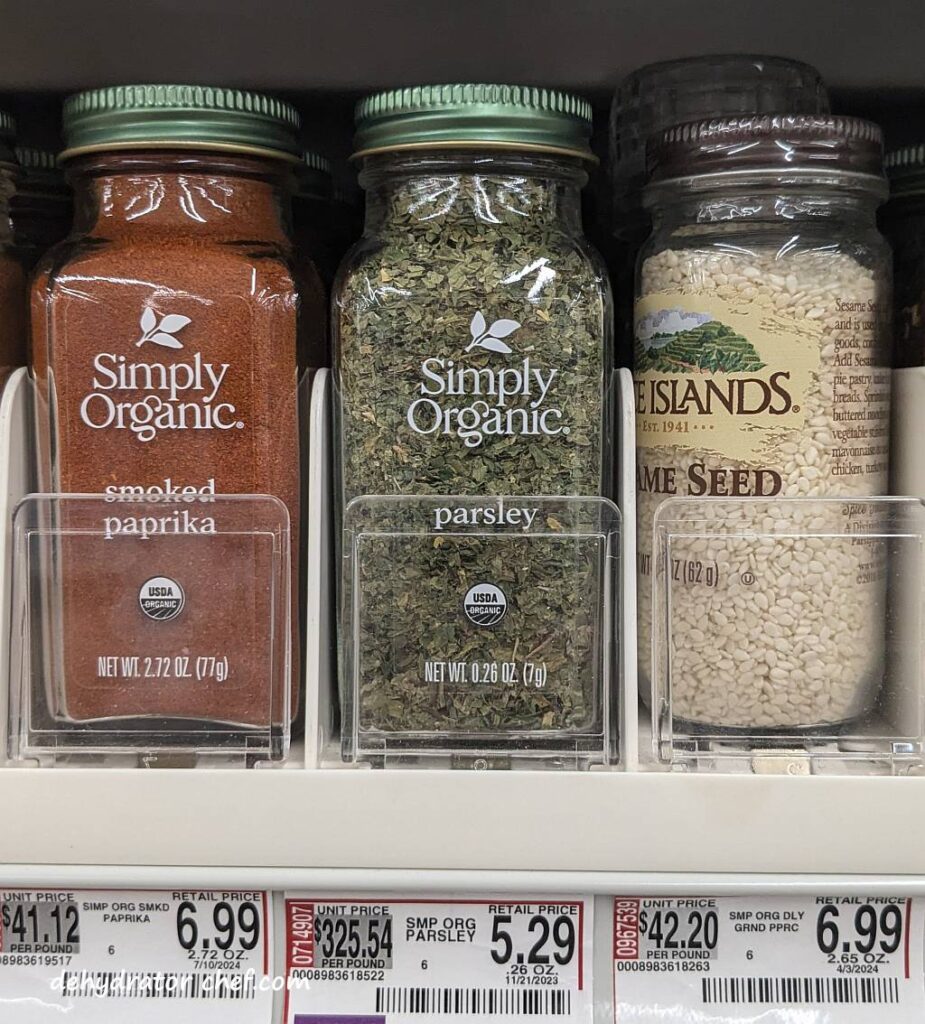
<point x="151" y="630"/>
<point x="787" y="635"/>
<point x="480" y="632"/>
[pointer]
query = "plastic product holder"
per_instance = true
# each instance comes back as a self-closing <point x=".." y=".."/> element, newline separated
<point x="787" y="635"/>
<point x="154" y="627"/>
<point x="481" y="632"/>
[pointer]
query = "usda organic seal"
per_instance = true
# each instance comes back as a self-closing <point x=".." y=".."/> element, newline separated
<point x="161" y="598"/>
<point x="485" y="604"/>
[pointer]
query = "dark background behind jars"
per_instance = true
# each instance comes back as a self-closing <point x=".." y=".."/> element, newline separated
<point x="323" y="55"/>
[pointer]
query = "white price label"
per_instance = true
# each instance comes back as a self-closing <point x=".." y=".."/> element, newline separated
<point x="816" y="960"/>
<point x="104" y="957"/>
<point x="413" y="961"/>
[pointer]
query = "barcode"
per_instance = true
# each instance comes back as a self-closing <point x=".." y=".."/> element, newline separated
<point x="527" y="1001"/>
<point x="800" y="990"/>
<point x="157" y="985"/>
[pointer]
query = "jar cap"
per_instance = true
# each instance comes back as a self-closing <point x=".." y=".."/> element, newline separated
<point x="480" y="116"/>
<point x="317" y="163"/>
<point x="7" y="133"/>
<point x="906" y="169"/>
<point x="40" y="170"/>
<point x="179" y="117"/>
<point x="314" y="176"/>
<point x="771" y="142"/>
<point x="657" y="96"/>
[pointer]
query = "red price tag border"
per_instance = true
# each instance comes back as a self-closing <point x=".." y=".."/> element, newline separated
<point x="304" y="903"/>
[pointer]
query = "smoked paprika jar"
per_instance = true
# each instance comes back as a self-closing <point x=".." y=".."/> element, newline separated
<point x="165" y="359"/>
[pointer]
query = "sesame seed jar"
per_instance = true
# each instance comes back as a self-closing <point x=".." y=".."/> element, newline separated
<point x="762" y="351"/>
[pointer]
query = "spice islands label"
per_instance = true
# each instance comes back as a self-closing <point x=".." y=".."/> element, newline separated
<point x="720" y="376"/>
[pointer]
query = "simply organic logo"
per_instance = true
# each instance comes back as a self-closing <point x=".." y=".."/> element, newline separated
<point x="147" y="398"/>
<point x="490" y="337"/>
<point x="515" y="398"/>
<point x="161" y="332"/>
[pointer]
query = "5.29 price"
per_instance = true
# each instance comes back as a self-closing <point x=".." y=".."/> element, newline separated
<point x="547" y="941"/>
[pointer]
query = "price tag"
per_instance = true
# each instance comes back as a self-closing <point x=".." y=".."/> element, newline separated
<point x="822" y="960"/>
<point x="413" y="961"/>
<point x="105" y="957"/>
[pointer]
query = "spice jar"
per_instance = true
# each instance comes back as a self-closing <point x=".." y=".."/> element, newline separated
<point x="472" y="356"/>
<point x="164" y="347"/>
<point x="41" y="208"/>
<point x="13" y="284"/>
<point x="655" y="97"/>
<point x="762" y="371"/>
<point x="324" y="223"/>
<point x="903" y="222"/>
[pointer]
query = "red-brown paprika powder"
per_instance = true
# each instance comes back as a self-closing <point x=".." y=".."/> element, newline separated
<point x="165" y="359"/>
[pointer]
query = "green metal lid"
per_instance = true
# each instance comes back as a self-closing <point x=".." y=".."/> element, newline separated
<point x="317" y="163"/>
<point x="906" y="170"/>
<point x="179" y="117"/>
<point x="314" y="176"/>
<point x="7" y="132"/>
<point x="474" y="116"/>
<point x="30" y="158"/>
<point x="39" y="172"/>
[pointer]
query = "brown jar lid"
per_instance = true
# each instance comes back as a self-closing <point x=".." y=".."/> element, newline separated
<point x="775" y="143"/>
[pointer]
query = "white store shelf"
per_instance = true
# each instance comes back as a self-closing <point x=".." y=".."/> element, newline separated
<point x="446" y="821"/>
<point x="607" y="831"/>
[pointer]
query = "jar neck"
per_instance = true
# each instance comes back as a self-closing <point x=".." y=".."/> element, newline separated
<point x="205" y="195"/>
<point x="762" y="200"/>
<point x="432" y="191"/>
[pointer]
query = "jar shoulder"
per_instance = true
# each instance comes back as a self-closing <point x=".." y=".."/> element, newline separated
<point x="738" y="239"/>
<point x="398" y="266"/>
<point x="245" y="268"/>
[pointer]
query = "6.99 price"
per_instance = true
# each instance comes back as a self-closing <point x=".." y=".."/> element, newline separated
<point x="225" y="928"/>
<point x="869" y="930"/>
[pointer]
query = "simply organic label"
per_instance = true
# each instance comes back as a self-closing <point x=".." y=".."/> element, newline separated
<point x="147" y="397"/>
<point x="145" y="956"/>
<point x="777" y="960"/>
<point x="423" y="961"/>
<point x="503" y="399"/>
<point x="726" y="377"/>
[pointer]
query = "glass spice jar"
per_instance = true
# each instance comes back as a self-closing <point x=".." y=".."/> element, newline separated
<point x="164" y="349"/>
<point x="657" y="96"/>
<point x="903" y="223"/>
<point x="472" y="356"/>
<point x="13" y="280"/>
<point x="42" y="207"/>
<point x="762" y="370"/>
<point x="324" y="224"/>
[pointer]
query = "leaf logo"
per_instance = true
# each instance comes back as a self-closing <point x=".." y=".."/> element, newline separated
<point x="489" y="338"/>
<point x="161" y="333"/>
